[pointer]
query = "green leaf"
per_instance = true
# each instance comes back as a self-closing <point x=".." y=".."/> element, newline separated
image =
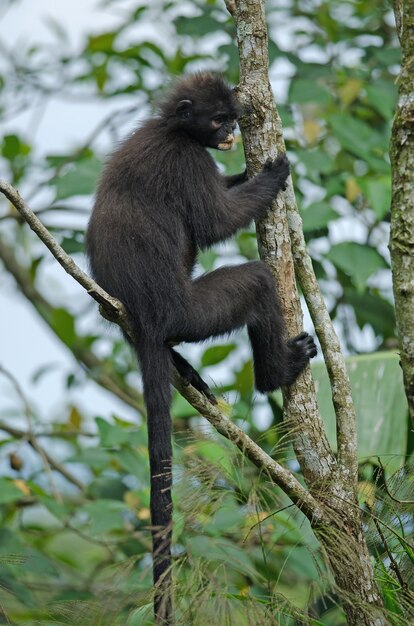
<point x="380" y="404"/>
<point x="101" y="43"/>
<point x="181" y="408"/>
<point x="229" y="517"/>
<point x="141" y="616"/>
<point x="197" y="26"/>
<point x="317" y="216"/>
<point x="247" y="243"/>
<point x="80" y="180"/>
<point x="316" y="162"/>
<point x="13" y="147"/>
<point x="216" y="454"/>
<point x="63" y="323"/>
<point x="107" y="488"/>
<point x="60" y="510"/>
<point x="9" y="492"/>
<point x="286" y="115"/>
<point x="95" y="458"/>
<point x="360" y="139"/>
<point x="222" y="551"/>
<point x="303" y="90"/>
<point x="372" y="309"/>
<point x="357" y="261"/>
<point x="207" y="258"/>
<point x="382" y="96"/>
<point x="105" y="515"/>
<point x="216" y="354"/>
<point x="131" y="461"/>
<point x="110" y="434"/>
<point x="244" y="379"/>
<point x="378" y="193"/>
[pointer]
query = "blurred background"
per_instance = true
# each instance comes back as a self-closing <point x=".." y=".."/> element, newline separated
<point x="76" y="78"/>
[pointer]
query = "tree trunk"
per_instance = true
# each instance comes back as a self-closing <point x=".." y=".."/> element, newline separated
<point x="331" y="481"/>
<point x="402" y="206"/>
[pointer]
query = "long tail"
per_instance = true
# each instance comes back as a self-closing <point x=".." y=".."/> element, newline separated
<point x="156" y="365"/>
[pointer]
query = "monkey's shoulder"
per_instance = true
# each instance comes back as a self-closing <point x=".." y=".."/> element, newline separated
<point x="155" y="145"/>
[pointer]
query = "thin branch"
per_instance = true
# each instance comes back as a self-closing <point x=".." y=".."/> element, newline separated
<point x="113" y="309"/>
<point x="276" y="472"/>
<point x="109" y="123"/>
<point x="393" y="562"/>
<point x="116" y="312"/>
<point x="30" y="437"/>
<point x="84" y="356"/>
<point x="387" y="488"/>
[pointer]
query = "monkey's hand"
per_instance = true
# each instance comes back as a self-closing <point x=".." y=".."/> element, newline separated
<point x="277" y="169"/>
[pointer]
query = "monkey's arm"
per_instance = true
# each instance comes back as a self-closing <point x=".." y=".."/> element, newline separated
<point x="235" y="179"/>
<point x="236" y="207"/>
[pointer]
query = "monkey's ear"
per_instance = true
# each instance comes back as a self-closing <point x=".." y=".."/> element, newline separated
<point x="183" y="109"/>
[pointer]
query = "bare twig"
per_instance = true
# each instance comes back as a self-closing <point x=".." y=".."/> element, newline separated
<point x="113" y="309"/>
<point x="387" y="489"/>
<point x="85" y="356"/>
<point x="393" y="562"/>
<point x="30" y="437"/>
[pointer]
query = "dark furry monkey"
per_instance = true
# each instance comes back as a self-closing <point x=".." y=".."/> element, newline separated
<point x="160" y="199"/>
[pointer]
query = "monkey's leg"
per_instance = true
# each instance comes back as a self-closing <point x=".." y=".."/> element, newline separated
<point x="231" y="297"/>
<point x="191" y="376"/>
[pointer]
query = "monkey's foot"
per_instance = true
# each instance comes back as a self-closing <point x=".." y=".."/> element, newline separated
<point x="191" y="377"/>
<point x="198" y="383"/>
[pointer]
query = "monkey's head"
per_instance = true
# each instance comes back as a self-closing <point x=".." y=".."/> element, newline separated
<point x="205" y="107"/>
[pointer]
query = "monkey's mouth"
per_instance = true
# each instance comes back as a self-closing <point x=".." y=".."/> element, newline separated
<point x="226" y="145"/>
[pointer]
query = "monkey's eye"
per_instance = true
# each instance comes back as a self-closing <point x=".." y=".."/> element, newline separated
<point x="217" y="122"/>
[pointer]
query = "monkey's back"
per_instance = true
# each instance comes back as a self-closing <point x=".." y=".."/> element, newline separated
<point x="139" y="240"/>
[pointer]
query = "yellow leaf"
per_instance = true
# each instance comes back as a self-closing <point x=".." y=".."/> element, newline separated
<point x="74" y="419"/>
<point x="311" y="130"/>
<point x="349" y="91"/>
<point x="253" y="519"/>
<point x="144" y="514"/>
<point x="366" y="492"/>
<point x="224" y="406"/>
<point x="22" y="485"/>
<point x="131" y="499"/>
<point x="352" y="191"/>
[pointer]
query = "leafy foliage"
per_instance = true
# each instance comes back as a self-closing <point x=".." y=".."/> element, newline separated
<point x="75" y="546"/>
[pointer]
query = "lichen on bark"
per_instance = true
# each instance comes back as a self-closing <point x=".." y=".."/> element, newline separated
<point x="402" y="204"/>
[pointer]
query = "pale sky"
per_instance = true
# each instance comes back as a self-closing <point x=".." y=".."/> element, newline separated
<point x="26" y="343"/>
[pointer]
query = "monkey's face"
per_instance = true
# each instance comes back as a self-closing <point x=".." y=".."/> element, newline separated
<point x="222" y="136"/>
<point x="213" y="128"/>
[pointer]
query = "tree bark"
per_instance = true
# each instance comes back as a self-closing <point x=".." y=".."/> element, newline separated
<point x="331" y="480"/>
<point x="402" y="204"/>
